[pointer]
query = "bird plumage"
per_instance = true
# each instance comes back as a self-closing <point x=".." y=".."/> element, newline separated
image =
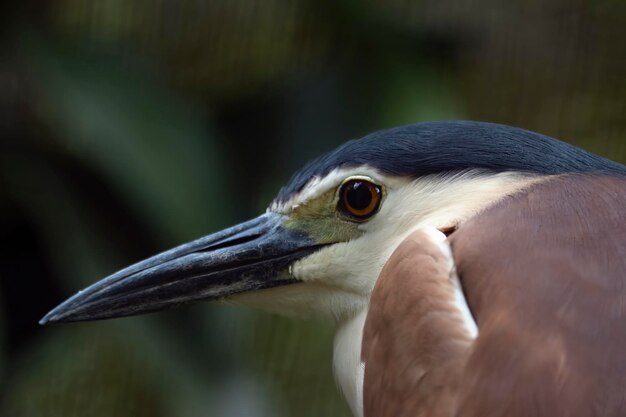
<point x="422" y="149"/>
<point x="307" y="256"/>
<point x="544" y="274"/>
<point x="416" y="339"/>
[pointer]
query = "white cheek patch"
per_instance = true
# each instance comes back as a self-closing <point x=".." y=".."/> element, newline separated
<point x="432" y="202"/>
<point x="352" y="268"/>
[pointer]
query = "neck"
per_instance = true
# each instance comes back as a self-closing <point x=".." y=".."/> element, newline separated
<point x="347" y="364"/>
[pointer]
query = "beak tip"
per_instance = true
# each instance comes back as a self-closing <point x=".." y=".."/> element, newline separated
<point x="47" y="319"/>
<point x="55" y="316"/>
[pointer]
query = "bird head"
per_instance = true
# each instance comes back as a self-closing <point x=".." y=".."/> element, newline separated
<point x="321" y="244"/>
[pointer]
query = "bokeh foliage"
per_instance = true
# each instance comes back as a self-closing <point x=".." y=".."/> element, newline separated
<point x="127" y="127"/>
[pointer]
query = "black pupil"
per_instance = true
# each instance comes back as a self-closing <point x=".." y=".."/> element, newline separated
<point x="358" y="195"/>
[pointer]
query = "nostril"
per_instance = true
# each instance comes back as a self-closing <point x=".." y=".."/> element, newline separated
<point x="231" y="242"/>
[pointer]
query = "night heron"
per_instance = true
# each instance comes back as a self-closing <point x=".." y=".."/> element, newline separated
<point x="503" y="283"/>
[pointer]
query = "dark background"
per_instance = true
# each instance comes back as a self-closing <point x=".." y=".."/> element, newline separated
<point x="127" y="127"/>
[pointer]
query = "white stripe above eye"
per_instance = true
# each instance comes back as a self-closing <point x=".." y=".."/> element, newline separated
<point x="318" y="186"/>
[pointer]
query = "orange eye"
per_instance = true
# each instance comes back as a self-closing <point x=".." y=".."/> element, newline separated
<point x="359" y="199"/>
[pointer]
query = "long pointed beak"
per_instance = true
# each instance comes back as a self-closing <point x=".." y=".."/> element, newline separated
<point x="252" y="255"/>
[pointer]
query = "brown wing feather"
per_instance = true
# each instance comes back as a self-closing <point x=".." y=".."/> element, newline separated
<point x="413" y="346"/>
<point x="544" y="273"/>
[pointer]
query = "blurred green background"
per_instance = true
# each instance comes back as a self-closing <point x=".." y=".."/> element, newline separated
<point x="127" y="127"/>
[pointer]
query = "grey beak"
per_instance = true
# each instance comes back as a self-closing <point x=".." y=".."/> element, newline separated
<point x="249" y="256"/>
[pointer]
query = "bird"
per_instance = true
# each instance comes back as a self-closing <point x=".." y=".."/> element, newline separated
<point x="471" y="268"/>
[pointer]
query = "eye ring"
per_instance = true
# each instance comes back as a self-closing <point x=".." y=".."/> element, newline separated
<point x="359" y="198"/>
